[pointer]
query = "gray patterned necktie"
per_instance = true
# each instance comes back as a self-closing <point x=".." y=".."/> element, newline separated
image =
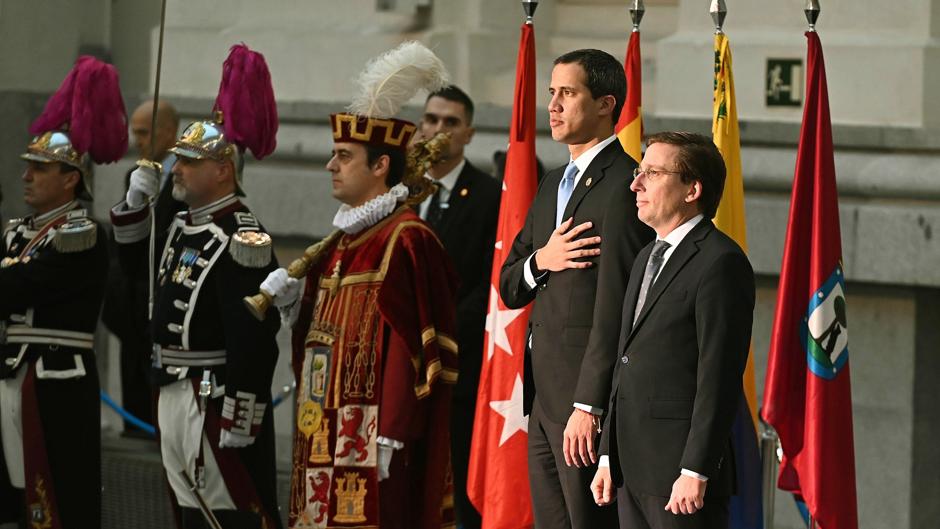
<point x="652" y="269"/>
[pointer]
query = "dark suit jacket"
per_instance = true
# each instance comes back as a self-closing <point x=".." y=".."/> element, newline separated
<point x="467" y="230"/>
<point x="569" y="363"/>
<point x="674" y="400"/>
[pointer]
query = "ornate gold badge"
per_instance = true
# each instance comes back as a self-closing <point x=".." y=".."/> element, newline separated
<point x="309" y="416"/>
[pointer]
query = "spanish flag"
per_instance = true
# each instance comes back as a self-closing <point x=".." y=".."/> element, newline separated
<point x="746" y="506"/>
<point x="630" y="125"/>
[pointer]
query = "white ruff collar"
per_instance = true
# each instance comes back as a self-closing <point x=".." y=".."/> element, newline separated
<point x="353" y="220"/>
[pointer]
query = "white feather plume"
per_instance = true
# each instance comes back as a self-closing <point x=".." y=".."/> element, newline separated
<point x="393" y="78"/>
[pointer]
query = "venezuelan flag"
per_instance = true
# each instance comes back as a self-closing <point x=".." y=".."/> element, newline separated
<point x="746" y="507"/>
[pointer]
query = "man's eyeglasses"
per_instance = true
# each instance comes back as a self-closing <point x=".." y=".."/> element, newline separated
<point x="650" y="174"/>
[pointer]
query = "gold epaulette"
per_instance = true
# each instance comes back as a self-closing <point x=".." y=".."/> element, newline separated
<point x="251" y="249"/>
<point x="77" y="234"/>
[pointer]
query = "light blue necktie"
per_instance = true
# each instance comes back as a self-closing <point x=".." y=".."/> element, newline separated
<point x="565" y="187"/>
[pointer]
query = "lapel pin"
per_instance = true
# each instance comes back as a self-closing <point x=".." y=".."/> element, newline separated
<point x="464" y="192"/>
<point x="588" y="182"/>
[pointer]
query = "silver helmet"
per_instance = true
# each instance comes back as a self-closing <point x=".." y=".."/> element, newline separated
<point x="206" y="139"/>
<point x="55" y="146"/>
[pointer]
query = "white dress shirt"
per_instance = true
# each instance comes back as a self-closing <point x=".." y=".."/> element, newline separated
<point x="447" y="183"/>
<point x="582" y="162"/>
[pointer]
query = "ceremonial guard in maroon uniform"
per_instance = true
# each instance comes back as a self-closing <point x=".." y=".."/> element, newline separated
<point x="212" y="361"/>
<point x="52" y="278"/>
<point x="374" y="355"/>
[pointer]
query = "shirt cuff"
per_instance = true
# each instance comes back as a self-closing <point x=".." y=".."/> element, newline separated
<point x="391" y="443"/>
<point x="130" y="224"/>
<point x="691" y="474"/>
<point x="527" y="273"/>
<point x="603" y="462"/>
<point x="590" y="409"/>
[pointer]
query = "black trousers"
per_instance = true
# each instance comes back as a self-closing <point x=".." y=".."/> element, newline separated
<point x="644" y="511"/>
<point x="561" y="495"/>
<point x="461" y="431"/>
<point x="136" y="391"/>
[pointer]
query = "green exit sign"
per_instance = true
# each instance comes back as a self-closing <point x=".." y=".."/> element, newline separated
<point x="784" y="82"/>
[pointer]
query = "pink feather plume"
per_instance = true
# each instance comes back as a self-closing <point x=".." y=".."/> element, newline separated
<point x="246" y="99"/>
<point x="90" y="107"/>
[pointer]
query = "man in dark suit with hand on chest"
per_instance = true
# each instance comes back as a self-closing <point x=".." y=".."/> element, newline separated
<point x="582" y="225"/>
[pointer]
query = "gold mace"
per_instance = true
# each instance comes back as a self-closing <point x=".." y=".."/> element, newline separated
<point x="421" y="156"/>
<point x="259" y="303"/>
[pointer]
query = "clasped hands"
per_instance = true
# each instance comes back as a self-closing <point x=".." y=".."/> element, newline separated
<point x="688" y="493"/>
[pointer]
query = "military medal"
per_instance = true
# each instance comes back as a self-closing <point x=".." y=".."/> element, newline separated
<point x="184" y="267"/>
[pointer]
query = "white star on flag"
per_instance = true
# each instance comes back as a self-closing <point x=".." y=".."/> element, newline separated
<point x="511" y="410"/>
<point x="496" y="323"/>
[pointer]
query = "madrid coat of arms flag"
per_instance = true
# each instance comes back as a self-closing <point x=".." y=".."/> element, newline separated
<point x="807" y="396"/>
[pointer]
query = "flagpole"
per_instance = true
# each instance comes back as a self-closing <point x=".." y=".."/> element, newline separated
<point x="811" y="11"/>
<point x="812" y="14"/>
<point x="770" y="461"/>
<point x="152" y="202"/>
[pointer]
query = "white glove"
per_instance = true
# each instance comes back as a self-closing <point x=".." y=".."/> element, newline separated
<point x="284" y="289"/>
<point x="145" y="183"/>
<point x="385" y="460"/>
<point x="228" y="439"/>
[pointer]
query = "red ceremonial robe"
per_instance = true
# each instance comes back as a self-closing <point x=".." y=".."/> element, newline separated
<point x="373" y="356"/>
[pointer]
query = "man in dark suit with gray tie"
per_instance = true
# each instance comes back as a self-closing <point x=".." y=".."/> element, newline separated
<point x="582" y="225"/>
<point x="684" y="342"/>
<point x="463" y="213"/>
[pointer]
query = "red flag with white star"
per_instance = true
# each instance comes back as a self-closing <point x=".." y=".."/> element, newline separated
<point x="498" y="480"/>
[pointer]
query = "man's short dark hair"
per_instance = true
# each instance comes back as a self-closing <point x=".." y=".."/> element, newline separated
<point x="700" y="160"/>
<point x="455" y="94"/>
<point x="604" y="74"/>
<point x="65" y="168"/>
<point x="396" y="162"/>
